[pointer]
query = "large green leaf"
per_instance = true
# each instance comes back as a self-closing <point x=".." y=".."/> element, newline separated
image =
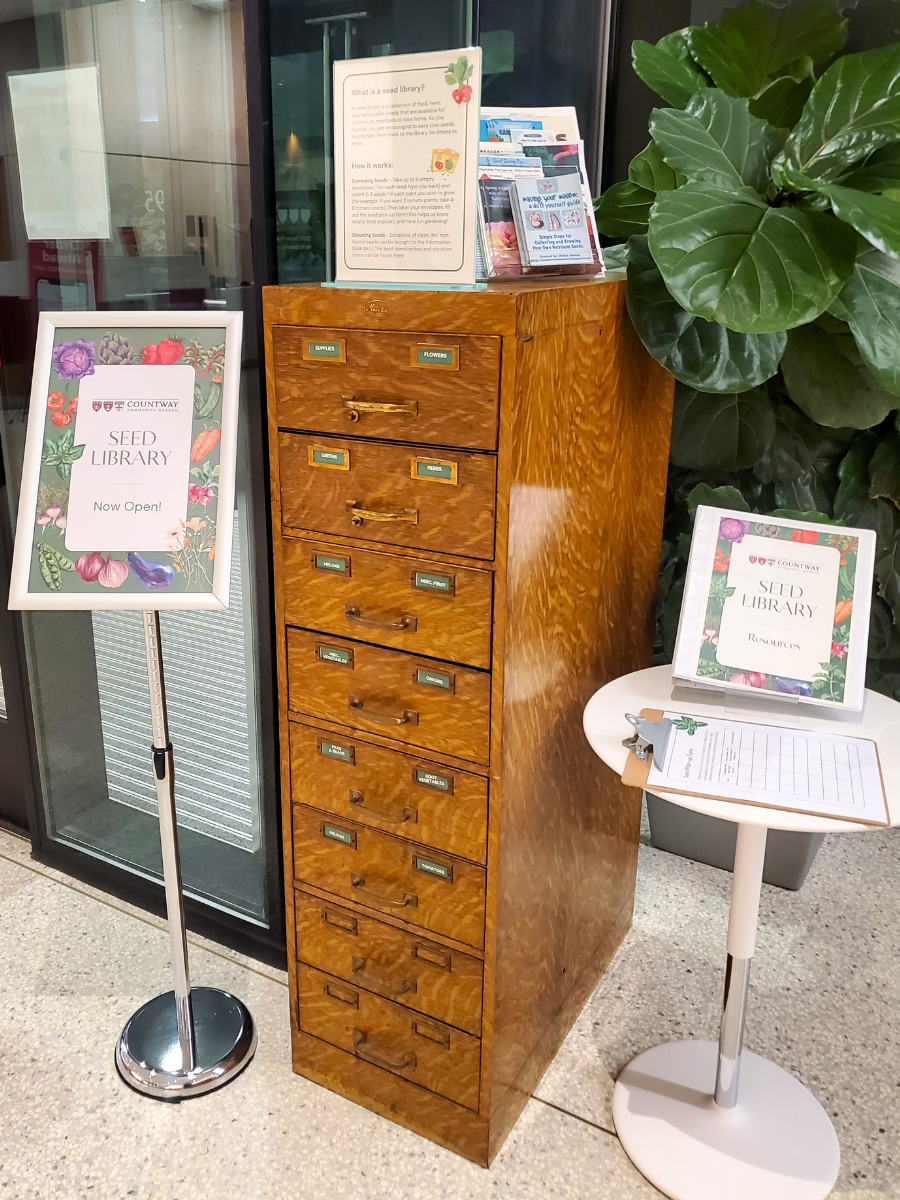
<point x="668" y="68"/>
<point x="781" y="102"/>
<point x="649" y="170"/>
<point x="870" y="304"/>
<point x="884" y="470"/>
<point x="852" y="110"/>
<point x="720" y="497"/>
<point x="802" y="454"/>
<point x="623" y="210"/>
<point x="700" y="353"/>
<point x="730" y="257"/>
<point x="827" y="379"/>
<point x="877" y="218"/>
<point x="751" y="44"/>
<point x="720" y="433"/>
<point x="879" y="173"/>
<point x="852" y="496"/>
<point x="883" y="517"/>
<point x="615" y="258"/>
<point x="716" y="141"/>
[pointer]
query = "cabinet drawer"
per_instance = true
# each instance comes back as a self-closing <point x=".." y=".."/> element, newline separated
<point x="426" y="607"/>
<point x="439" y="500"/>
<point x="423" y="702"/>
<point x="438" y="806"/>
<point x="433" y="1055"/>
<point x="415" y="883"/>
<point x="406" y="386"/>
<point x="409" y="970"/>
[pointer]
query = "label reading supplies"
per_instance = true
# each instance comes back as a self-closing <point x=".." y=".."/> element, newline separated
<point x="335" y="654"/>
<point x="335" y="750"/>
<point x="333" y="563"/>
<point x="435" y="356"/>
<point x="429" y="779"/>
<point x="325" y="349"/>
<point x="428" y="867"/>
<point x="324" y="456"/>
<point x="435" y="679"/>
<point x="334" y="834"/>
<point x="437" y="469"/>
<point x="431" y="581"/>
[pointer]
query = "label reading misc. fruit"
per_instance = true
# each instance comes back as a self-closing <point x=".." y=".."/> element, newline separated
<point x="426" y="468"/>
<point x="333" y="750"/>
<point x="330" y="562"/>
<point x="325" y="349"/>
<point x="427" y="581"/>
<point x="437" y="356"/>
<point x="337" y="835"/>
<point x="438" y="870"/>
<point x="334" y="654"/>
<point x="434" y="679"/>
<point x="428" y="779"/>
<point x="320" y="457"/>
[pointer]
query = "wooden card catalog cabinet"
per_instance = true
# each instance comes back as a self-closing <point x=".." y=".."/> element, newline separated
<point x="467" y="492"/>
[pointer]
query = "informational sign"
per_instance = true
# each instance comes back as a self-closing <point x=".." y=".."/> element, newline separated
<point x="127" y="493"/>
<point x="61" y="153"/>
<point x="406" y="157"/>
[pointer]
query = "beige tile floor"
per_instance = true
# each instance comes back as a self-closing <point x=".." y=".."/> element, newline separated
<point x="74" y="965"/>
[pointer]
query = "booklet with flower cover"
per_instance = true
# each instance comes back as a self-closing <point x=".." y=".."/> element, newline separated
<point x="776" y="606"/>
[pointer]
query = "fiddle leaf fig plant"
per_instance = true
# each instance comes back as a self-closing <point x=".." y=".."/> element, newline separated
<point x="760" y="233"/>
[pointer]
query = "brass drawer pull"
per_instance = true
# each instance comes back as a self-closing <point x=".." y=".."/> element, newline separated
<point x="433" y="955"/>
<point x="408" y="814"/>
<point x="441" y="1036"/>
<point x="404" y="624"/>
<point x="409" y="716"/>
<point x="358" y="514"/>
<point x="343" y="995"/>
<point x="358" y="883"/>
<point x="354" y="407"/>
<point x="395" y="989"/>
<point x="406" y="1062"/>
<point x="340" y="921"/>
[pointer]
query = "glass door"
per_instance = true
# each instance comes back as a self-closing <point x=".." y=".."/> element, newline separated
<point x="124" y="184"/>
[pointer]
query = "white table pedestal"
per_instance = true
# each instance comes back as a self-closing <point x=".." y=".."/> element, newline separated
<point x="712" y="1123"/>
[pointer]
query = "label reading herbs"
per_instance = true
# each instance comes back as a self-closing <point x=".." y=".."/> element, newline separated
<point x="432" y="468"/>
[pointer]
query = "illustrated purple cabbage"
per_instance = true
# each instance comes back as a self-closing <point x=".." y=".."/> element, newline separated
<point x="793" y="687"/>
<point x="74" y="360"/>
<point x="153" y="575"/>
<point x="732" y="529"/>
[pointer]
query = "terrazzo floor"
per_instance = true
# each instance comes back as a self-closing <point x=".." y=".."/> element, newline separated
<point x="74" y="964"/>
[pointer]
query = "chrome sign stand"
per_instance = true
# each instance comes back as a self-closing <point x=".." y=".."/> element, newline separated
<point x="188" y="1041"/>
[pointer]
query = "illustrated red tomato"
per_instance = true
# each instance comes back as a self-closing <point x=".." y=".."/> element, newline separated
<point x="169" y="351"/>
<point x="61" y="418"/>
<point x="55" y="401"/>
<point x="805" y="535"/>
<point x="73" y="405"/>
<point x="439" y="166"/>
<point x="150" y="356"/>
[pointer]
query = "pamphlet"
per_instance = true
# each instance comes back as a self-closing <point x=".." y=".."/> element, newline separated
<point x="550" y="219"/>
<point x="499" y="236"/>
<point x="776" y="606"/>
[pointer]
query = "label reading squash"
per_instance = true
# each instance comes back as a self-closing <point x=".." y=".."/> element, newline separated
<point x="337" y="835"/>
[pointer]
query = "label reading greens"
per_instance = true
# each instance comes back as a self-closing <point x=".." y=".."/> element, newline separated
<point x="435" y="356"/>
<point x="329" y="562"/>
<point x="325" y="349"/>
<point x="434" y="679"/>
<point x="333" y="750"/>
<point x="433" y="868"/>
<point x="334" y="654"/>
<point x="330" y="458"/>
<point x="337" y="835"/>
<point x="434" y="470"/>
<point x="429" y="582"/>
<point x="428" y="779"/>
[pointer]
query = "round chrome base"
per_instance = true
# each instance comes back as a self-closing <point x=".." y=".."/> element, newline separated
<point x="148" y="1053"/>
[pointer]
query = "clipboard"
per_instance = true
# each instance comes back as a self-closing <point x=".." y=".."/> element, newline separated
<point x="636" y="774"/>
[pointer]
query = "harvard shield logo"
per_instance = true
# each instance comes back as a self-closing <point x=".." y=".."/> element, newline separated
<point x="97" y="405"/>
<point x="107" y="405"/>
<point x="753" y="558"/>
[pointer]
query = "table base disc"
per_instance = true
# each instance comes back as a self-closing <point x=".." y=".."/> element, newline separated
<point x="148" y="1053"/>
<point x="777" y="1143"/>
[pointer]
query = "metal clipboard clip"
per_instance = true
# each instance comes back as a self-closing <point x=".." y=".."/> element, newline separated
<point x="646" y="737"/>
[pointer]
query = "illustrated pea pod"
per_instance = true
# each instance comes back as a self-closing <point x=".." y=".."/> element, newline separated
<point x="205" y="443"/>
<point x="52" y="564"/>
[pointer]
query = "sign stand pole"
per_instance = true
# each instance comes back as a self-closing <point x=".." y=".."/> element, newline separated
<point x="191" y="1040"/>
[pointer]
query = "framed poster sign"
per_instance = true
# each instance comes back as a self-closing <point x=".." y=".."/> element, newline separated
<point x="127" y="495"/>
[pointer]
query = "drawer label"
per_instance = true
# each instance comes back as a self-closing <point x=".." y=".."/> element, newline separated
<point x="434" y="468"/>
<point x="332" y="563"/>
<point x="428" y="581"/>
<point x="321" y="456"/>
<point x="339" y="835"/>
<point x="436" y="356"/>
<point x="435" y="679"/>
<point x="438" y="870"/>
<point x="333" y="750"/>
<point x="333" y="349"/>
<point x="335" y="654"/>
<point x="440" y="783"/>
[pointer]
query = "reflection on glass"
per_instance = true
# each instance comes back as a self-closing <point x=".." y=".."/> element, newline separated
<point x="169" y="75"/>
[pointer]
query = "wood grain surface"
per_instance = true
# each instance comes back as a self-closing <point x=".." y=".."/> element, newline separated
<point x="457" y="518"/>
<point x="384" y="686"/>
<point x="393" y="792"/>
<point x="381" y="872"/>
<point x="404" y="967"/>
<point x="379" y="591"/>
<point x="436" y="1056"/>
<point x="442" y="407"/>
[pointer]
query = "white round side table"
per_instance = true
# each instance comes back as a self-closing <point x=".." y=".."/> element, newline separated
<point x="708" y="1122"/>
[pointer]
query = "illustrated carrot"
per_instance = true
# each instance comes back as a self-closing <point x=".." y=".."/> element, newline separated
<point x="842" y="611"/>
<point x="204" y="443"/>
